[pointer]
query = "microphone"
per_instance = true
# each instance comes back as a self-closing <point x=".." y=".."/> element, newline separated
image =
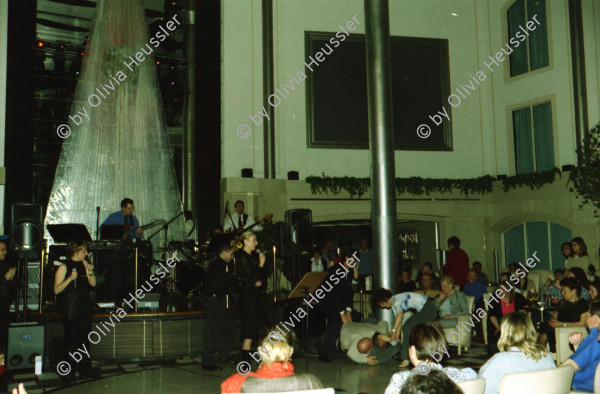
<point x="75" y="281"/>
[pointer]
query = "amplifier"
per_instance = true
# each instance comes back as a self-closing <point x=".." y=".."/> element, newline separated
<point x="149" y="302"/>
<point x="25" y="341"/>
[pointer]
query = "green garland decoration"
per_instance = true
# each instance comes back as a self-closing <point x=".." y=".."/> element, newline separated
<point x="425" y="186"/>
<point x="586" y="176"/>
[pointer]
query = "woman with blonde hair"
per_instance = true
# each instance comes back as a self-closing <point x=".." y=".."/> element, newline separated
<point x="519" y="352"/>
<point x="275" y="372"/>
<point x="249" y="271"/>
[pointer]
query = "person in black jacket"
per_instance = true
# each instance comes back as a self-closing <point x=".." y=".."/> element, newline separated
<point x="8" y="288"/>
<point x="219" y="281"/>
<point x="509" y="301"/>
<point x="72" y="284"/>
<point x="250" y="275"/>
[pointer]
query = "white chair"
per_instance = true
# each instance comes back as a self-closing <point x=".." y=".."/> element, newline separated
<point x="486" y="297"/>
<point x="596" y="382"/>
<point x="563" y="346"/>
<point x="536" y="279"/>
<point x="549" y="381"/>
<point x="465" y="340"/>
<point x="473" y="386"/>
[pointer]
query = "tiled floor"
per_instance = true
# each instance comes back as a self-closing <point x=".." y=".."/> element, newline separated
<point x="187" y="376"/>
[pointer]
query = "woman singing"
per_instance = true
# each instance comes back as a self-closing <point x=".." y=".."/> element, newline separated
<point x="72" y="284"/>
<point x="249" y="267"/>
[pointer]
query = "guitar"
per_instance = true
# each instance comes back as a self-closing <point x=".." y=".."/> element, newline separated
<point x="242" y="229"/>
<point x="128" y="232"/>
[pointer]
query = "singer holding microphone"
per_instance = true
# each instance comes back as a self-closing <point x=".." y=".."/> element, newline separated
<point x="72" y="284"/>
<point x="250" y="273"/>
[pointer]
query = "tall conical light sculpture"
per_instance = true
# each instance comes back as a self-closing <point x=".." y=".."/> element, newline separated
<point x="118" y="145"/>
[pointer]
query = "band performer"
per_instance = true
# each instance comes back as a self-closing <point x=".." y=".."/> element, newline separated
<point x="250" y="273"/>
<point x="72" y="284"/>
<point x="240" y="221"/>
<point x="122" y="272"/>
<point x="219" y="281"/>
<point x="127" y="219"/>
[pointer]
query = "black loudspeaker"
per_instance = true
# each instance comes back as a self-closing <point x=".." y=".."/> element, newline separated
<point x="300" y="222"/>
<point x="247" y="173"/>
<point x="25" y="341"/>
<point x="293" y="176"/>
<point x="26" y="230"/>
<point x="284" y="246"/>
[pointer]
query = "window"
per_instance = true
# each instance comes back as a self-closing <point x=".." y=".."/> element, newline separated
<point x="532" y="52"/>
<point x="533" y="138"/>
<point x="545" y="238"/>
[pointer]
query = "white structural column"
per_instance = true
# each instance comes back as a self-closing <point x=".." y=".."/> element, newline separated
<point x="3" y="69"/>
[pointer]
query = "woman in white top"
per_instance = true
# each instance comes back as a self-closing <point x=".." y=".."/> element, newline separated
<point x="427" y="347"/>
<point x="580" y="256"/>
<point x="518" y="352"/>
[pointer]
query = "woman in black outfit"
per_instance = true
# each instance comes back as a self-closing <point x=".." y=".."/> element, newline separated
<point x="570" y="312"/>
<point x="250" y="272"/>
<point x="72" y="284"/>
<point x="508" y="301"/>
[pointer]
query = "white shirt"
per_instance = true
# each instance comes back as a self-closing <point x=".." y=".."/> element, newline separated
<point x="227" y="225"/>
<point x="316" y="266"/>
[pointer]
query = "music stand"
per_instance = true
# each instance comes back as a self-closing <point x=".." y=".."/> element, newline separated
<point x="111" y="232"/>
<point x="308" y="285"/>
<point x="64" y="233"/>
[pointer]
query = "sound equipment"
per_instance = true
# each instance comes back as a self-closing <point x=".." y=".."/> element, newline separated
<point x="150" y="302"/>
<point x="293" y="176"/>
<point x="284" y="246"/>
<point x="25" y="341"/>
<point x="247" y="173"/>
<point x="26" y="229"/>
<point x="300" y="222"/>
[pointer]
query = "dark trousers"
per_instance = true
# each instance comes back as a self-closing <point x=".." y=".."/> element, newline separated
<point x="334" y="303"/>
<point x="76" y="335"/>
<point x="219" y="327"/>
<point x="426" y="315"/>
<point x="122" y="278"/>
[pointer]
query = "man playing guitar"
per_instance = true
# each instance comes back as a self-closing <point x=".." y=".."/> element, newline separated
<point x="125" y="218"/>
<point x="240" y="222"/>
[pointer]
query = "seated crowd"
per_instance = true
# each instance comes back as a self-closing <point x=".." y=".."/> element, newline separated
<point x="427" y="310"/>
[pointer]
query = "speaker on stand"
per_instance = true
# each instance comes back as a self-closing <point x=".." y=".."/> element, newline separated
<point x="27" y="239"/>
<point x="301" y="235"/>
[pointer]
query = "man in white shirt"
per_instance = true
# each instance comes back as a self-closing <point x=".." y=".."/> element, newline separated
<point x="239" y="221"/>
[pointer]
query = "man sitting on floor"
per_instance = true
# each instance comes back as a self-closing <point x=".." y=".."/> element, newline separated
<point x="587" y="355"/>
<point x="367" y="342"/>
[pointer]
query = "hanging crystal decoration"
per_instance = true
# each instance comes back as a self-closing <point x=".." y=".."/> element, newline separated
<point x="118" y="146"/>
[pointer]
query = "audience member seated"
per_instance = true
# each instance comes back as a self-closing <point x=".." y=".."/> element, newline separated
<point x="428" y="269"/>
<point x="365" y="264"/>
<point x="582" y="279"/>
<point x="427" y="287"/>
<point x="592" y="273"/>
<point x="580" y="256"/>
<point x="367" y="343"/>
<point x="275" y="372"/>
<point x="587" y="351"/>
<point x="436" y="382"/>
<point x="399" y="304"/>
<point x="481" y="276"/>
<point x="450" y="303"/>
<point x="552" y="287"/>
<point x="317" y="264"/>
<point x="425" y="342"/>
<point x="594" y="288"/>
<point x="518" y="352"/>
<point x="474" y="288"/>
<point x="405" y="284"/>
<point x="570" y="312"/>
<point x="524" y="285"/>
<point x="508" y="301"/>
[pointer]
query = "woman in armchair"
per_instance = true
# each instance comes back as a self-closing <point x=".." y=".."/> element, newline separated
<point x="450" y="303"/>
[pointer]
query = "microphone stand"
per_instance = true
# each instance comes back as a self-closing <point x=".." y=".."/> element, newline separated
<point x="233" y="227"/>
<point x="97" y="223"/>
<point x="166" y="228"/>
